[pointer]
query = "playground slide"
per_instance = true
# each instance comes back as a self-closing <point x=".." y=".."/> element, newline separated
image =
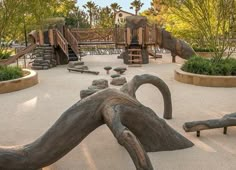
<point x="21" y="53"/>
<point x="176" y="46"/>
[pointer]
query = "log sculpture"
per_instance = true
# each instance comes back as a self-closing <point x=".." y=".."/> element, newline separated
<point x="177" y="47"/>
<point x="135" y="126"/>
<point x="224" y="122"/>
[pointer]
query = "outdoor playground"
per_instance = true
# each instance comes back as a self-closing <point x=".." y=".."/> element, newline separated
<point x="132" y="108"/>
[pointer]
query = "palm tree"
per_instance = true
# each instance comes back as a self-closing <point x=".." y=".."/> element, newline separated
<point x="136" y="5"/>
<point x="90" y="6"/>
<point x="115" y="7"/>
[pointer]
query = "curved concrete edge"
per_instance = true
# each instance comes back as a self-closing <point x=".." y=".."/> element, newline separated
<point x="21" y="83"/>
<point x="204" y="80"/>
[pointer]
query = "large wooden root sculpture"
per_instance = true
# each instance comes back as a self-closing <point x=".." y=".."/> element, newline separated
<point x="224" y="122"/>
<point x="135" y="126"/>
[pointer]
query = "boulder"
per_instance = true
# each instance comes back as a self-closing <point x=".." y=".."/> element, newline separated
<point x="118" y="81"/>
<point x="100" y="83"/>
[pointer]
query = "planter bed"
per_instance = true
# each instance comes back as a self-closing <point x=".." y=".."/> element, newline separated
<point x="30" y="79"/>
<point x="205" y="80"/>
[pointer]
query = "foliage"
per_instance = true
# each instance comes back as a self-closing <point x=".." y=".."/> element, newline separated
<point x="136" y="5"/>
<point x="91" y="9"/>
<point x="199" y="49"/>
<point x="77" y="19"/>
<point x="106" y="18"/>
<point x="9" y="73"/>
<point x="156" y="13"/>
<point x="199" y="65"/>
<point x="5" y="55"/>
<point x="208" y="23"/>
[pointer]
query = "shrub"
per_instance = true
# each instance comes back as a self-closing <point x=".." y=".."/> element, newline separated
<point x="5" y="55"/>
<point x="9" y="73"/>
<point x="199" y="65"/>
<point x="199" y="49"/>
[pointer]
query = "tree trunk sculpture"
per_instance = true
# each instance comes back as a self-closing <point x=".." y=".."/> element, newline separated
<point x="135" y="126"/>
<point x="224" y="122"/>
<point x="177" y="47"/>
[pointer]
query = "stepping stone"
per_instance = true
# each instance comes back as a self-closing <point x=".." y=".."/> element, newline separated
<point x="107" y="68"/>
<point x="120" y="70"/>
<point x="118" y="81"/>
<point x="115" y="75"/>
<point x="100" y="83"/>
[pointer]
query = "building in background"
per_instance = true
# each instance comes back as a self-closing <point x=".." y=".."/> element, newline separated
<point x="120" y="16"/>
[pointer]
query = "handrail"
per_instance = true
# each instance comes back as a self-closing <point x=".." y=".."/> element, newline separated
<point x="13" y="58"/>
<point x="62" y="42"/>
<point x="72" y="41"/>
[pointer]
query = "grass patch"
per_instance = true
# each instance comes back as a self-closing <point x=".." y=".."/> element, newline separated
<point x="9" y="73"/>
<point x="199" y="65"/>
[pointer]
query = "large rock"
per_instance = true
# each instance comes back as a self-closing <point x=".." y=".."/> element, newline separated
<point x="100" y="83"/>
<point x="118" y="81"/>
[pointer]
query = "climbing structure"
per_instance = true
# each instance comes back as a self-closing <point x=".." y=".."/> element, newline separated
<point x="136" y="38"/>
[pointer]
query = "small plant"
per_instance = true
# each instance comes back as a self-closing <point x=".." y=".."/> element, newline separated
<point x="5" y="55"/>
<point x="10" y="72"/>
<point x="199" y="65"/>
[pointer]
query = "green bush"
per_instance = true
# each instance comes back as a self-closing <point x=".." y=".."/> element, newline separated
<point x="199" y="49"/>
<point x="9" y="73"/>
<point x="199" y="65"/>
<point x="5" y="55"/>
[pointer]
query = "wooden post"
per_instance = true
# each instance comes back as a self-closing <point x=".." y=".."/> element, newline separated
<point x="128" y="36"/>
<point x="225" y="130"/>
<point x="198" y="133"/>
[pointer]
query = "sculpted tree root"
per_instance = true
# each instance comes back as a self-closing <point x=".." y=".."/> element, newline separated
<point x="224" y="122"/>
<point x="135" y="126"/>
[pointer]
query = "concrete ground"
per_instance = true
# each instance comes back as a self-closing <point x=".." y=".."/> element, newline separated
<point x="27" y="114"/>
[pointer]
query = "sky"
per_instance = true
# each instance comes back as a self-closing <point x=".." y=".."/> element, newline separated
<point x="125" y="4"/>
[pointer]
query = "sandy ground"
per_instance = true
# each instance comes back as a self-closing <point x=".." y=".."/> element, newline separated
<point x="26" y="114"/>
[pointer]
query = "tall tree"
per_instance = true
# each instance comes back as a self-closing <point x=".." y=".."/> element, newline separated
<point x="91" y="7"/>
<point x="156" y="13"/>
<point x="115" y="7"/>
<point x="212" y="20"/>
<point x="136" y="5"/>
<point x="77" y="18"/>
<point x="106" y="18"/>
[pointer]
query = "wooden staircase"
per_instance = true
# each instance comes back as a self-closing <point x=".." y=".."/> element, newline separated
<point x="135" y="57"/>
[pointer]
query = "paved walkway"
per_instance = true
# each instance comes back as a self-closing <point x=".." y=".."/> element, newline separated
<point x="26" y="114"/>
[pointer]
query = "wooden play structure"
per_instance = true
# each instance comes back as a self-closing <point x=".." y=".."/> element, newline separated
<point x="136" y="37"/>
